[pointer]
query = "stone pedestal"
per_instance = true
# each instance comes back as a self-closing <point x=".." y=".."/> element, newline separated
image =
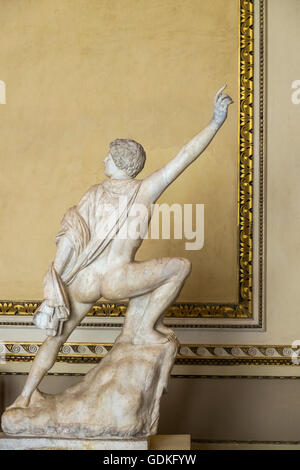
<point x="48" y="443"/>
<point x="117" y="399"/>
<point x="156" y="442"/>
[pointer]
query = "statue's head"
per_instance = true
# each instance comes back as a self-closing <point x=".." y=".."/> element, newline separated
<point x="128" y="156"/>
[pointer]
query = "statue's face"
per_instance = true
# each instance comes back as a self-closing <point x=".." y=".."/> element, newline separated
<point x="110" y="167"/>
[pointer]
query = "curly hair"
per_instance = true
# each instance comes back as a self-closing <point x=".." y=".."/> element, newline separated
<point x="128" y="155"/>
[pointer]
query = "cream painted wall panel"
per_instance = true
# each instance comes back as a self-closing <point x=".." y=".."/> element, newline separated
<point x="80" y="74"/>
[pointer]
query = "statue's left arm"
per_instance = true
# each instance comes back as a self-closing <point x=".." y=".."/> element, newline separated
<point x="161" y="179"/>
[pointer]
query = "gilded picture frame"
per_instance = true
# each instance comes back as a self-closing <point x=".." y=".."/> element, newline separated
<point x="247" y="312"/>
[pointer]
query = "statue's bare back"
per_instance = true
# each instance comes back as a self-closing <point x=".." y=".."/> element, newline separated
<point x="109" y="276"/>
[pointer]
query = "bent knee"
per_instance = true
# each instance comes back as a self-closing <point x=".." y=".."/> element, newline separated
<point x="180" y="267"/>
<point x="186" y="267"/>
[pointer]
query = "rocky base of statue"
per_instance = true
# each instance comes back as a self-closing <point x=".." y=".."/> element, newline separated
<point x="118" y="398"/>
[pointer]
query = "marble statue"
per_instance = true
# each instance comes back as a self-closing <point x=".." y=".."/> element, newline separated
<point x="119" y="397"/>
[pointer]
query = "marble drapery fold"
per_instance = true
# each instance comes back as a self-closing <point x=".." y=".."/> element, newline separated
<point x="89" y="227"/>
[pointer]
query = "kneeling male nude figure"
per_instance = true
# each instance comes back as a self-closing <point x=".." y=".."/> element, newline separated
<point x="93" y="260"/>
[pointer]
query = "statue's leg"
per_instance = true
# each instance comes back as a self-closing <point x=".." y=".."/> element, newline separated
<point x="137" y="308"/>
<point x="152" y="286"/>
<point x="47" y="353"/>
<point x="161" y="327"/>
<point x="152" y="322"/>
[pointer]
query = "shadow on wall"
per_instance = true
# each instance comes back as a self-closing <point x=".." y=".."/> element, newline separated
<point x="204" y="408"/>
<point x="232" y="409"/>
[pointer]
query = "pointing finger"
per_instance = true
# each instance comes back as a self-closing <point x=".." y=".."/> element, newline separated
<point x="219" y="92"/>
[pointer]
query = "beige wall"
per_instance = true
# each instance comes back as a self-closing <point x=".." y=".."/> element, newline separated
<point x="80" y="74"/>
<point x="283" y="189"/>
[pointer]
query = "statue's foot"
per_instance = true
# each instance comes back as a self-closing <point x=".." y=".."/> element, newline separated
<point x="150" y="337"/>
<point x="165" y="330"/>
<point x="20" y="402"/>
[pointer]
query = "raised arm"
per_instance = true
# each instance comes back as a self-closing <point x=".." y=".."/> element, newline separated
<point x="161" y="179"/>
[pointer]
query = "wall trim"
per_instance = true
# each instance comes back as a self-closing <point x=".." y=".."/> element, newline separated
<point x="173" y="376"/>
<point x="188" y="354"/>
<point x="202" y="444"/>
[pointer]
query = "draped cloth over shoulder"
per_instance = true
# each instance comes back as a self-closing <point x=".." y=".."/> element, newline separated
<point x="89" y="227"/>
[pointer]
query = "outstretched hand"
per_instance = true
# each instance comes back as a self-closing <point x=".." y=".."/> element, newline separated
<point x="222" y="102"/>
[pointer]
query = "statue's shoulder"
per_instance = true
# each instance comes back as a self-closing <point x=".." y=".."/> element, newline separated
<point x="93" y="190"/>
<point x="89" y="196"/>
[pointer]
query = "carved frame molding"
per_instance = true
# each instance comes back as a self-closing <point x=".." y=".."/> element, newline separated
<point x="188" y="354"/>
<point x="198" y="315"/>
